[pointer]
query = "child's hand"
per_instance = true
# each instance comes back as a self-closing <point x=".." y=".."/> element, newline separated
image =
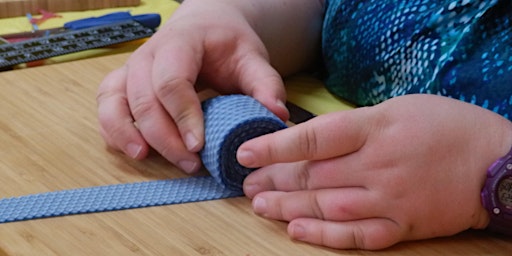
<point x="230" y="46"/>
<point x="409" y="168"/>
<point x="152" y="100"/>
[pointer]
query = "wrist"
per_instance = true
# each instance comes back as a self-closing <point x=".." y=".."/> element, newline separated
<point x="496" y="194"/>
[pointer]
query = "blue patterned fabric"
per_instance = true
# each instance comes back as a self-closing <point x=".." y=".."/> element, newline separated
<point x="377" y="49"/>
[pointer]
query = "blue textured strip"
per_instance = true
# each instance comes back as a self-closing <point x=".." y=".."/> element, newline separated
<point x="112" y="197"/>
<point x="229" y="121"/>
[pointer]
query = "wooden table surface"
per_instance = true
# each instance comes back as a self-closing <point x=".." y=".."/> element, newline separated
<point x="49" y="141"/>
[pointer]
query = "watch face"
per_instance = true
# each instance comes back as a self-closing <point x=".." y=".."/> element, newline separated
<point x="505" y="192"/>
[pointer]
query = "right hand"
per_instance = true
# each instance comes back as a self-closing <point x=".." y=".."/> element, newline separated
<point x="152" y="100"/>
<point x="410" y="168"/>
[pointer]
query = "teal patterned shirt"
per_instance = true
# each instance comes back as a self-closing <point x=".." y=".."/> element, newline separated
<point x="377" y="49"/>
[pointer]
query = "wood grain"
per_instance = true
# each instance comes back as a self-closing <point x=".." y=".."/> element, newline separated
<point x="13" y="8"/>
<point x="50" y="141"/>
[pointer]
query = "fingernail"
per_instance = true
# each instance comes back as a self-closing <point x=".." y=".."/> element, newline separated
<point x="297" y="231"/>
<point x="188" y="166"/>
<point x="259" y="205"/>
<point x="281" y="104"/>
<point x="191" y="141"/>
<point x="251" y="189"/>
<point x="245" y="157"/>
<point x="133" y="150"/>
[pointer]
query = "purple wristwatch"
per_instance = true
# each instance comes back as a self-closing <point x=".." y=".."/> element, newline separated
<point x="497" y="195"/>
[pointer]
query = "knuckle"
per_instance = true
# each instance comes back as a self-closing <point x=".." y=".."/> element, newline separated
<point x="282" y="214"/>
<point x="113" y="124"/>
<point x="106" y="93"/>
<point x="172" y="148"/>
<point x="143" y="106"/>
<point x="303" y="177"/>
<point x="102" y="96"/>
<point x="170" y="91"/>
<point x="114" y="82"/>
<point x="115" y="137"/>
<point x="309" y="143"/>
<point x="168" y="86"/>
<point x="359" y="239"/>
<point x="181" y="117"/>
<point x="271" y="152"/>
<point x="117" y="131"/>
<point x="316" y="207"/>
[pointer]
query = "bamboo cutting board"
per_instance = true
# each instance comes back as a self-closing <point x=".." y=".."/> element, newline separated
<point x="13" y="8"/>
<point x="50" y="141"/>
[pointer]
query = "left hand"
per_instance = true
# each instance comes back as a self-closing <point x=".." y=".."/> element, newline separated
<point x="409" y="168"/>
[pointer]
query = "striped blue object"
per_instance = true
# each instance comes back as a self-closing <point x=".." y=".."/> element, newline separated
<point x="229" y="121"/>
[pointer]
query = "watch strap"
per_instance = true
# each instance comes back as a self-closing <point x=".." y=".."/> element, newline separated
<point x="500" y="215"/>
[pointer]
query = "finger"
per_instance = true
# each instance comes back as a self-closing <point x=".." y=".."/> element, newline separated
<point x="261" y="81"/>
<point x="347" y="171"/>
<point x="341" y="204"/>
<point x="116" y="121"/>
<point x="153" y="121"/>
<point x="277" y="177"/>
<point x="323" y="137"/>
<point x="174" y="75"/>
<point x="367" y="234"/>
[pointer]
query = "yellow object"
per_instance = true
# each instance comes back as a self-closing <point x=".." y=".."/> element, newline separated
<point x="13" y="8"/>
<point x="310" y="93"/>
<point x="21" y="24"/>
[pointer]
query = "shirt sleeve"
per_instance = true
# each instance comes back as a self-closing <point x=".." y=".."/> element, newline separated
<point x="378" y="49"/>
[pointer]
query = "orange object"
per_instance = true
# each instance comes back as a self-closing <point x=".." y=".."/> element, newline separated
<point x="46" y="15"/>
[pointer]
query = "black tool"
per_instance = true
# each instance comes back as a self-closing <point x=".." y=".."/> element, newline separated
<point x="72" y="41"/>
